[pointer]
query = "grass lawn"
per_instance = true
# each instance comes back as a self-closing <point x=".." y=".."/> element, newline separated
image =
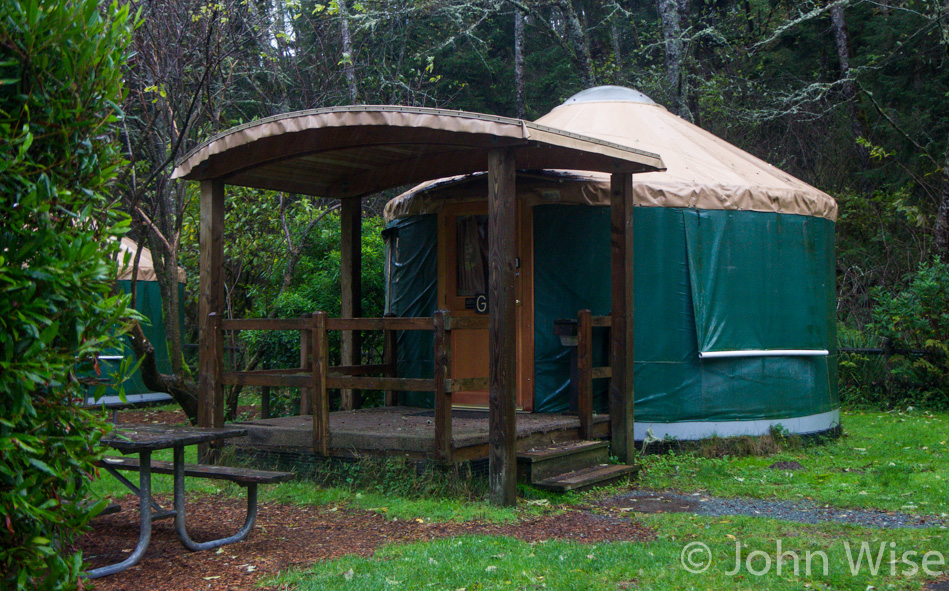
<point x="890" y="461"/>
<point x="886" y="461"/>
<point x="500" y="563"/>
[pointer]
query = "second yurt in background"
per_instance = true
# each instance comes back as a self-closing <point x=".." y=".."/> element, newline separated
<point x="148" y="302"/>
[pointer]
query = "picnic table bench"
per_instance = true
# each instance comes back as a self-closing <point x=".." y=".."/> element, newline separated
<point x="145" y="440"/>
<point x="241" y="476"/>
<point x="116" y="403"/>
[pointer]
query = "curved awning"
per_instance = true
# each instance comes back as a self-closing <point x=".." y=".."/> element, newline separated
<point x="353" y="151"/>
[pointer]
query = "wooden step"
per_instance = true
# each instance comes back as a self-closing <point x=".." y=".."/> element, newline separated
<point x="542" y="463"/>
<point x="587" y="477"/>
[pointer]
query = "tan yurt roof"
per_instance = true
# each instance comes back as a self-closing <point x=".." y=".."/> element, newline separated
<point x="702" y="171"/>
<point x="146" y="267"/>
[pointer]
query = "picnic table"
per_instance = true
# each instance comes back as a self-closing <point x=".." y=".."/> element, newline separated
<point x="143" y="440"/>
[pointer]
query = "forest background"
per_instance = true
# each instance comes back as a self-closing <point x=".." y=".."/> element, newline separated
<point x="851" y="96"/>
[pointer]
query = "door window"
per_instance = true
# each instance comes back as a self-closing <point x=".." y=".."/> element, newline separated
<point x="472" y="249"/>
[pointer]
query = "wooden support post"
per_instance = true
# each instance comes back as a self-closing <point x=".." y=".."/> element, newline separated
<point x="210" y="300"/>
<point x="442" y="348"/>
<point x="390" y="358"/>
<point x="265" y="402"/>
<point x="351" y="284"/>
<point x="306" y="364"/>
<point x="502" y="344"/>
<point x="216" y="367"/>
<point x="585" y="373"/>
<point x="217" y="385"/>
<point x="319" y="344"/>
<point x="622" y="443"/>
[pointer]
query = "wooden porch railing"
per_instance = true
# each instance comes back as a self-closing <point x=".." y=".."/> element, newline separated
<point x="315" y="376"/>
<point x="585" y="372"/>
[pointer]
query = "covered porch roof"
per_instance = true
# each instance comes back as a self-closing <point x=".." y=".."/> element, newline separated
<point x="342" y="152"/>
<point x="350" y="152"/>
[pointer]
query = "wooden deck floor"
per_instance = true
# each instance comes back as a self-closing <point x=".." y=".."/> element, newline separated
<point x="408" y="432"/>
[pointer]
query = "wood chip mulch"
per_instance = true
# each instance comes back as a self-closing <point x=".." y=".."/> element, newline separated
<point x="288" y="536"/>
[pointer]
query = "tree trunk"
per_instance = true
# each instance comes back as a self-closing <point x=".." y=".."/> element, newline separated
<point x="941" y="231"/>
<point x="749" y="19"/>
<point x="519" y="107"/>
<point x="348" y="66"/>
<point x="280" y="29"/>
<point x="578" y="43"/>
<point x="842" y="40"/>
<point x="616" y="36"/>
<point x="672" y="13"/>
<point x="182" y="389"/>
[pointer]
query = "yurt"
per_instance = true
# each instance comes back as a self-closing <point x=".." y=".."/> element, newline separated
<point x="148" y="302"/>
<point x="734" y="301"/>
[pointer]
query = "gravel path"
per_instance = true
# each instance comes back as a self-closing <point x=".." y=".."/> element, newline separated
<point x="647" y="501"/>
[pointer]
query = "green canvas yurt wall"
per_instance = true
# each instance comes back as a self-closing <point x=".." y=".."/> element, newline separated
<point x="734" y="295"/>
<point x="411" y="291"/>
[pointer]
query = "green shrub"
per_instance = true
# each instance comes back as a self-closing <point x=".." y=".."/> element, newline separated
<point x="59" y="84"/>
<point x="862" y="377"/>
<point x="914" y="324"/>
<point x="316" y="287"/>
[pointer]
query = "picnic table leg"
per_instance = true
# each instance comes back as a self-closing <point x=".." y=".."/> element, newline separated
<point x="180" y="528"/>
<point x="145" y="520"/>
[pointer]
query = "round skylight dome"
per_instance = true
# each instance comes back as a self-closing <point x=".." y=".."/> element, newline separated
<point x="609" y="94"/>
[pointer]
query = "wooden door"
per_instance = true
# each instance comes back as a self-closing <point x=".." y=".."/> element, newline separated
<point x="464" y="268"/>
